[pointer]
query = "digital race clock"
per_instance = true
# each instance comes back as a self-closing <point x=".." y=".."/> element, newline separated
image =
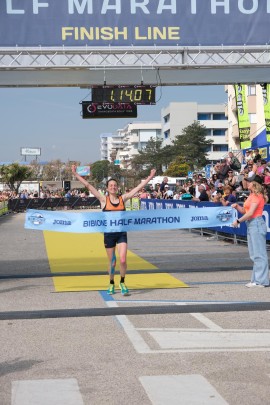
<point x="124" y="94"/>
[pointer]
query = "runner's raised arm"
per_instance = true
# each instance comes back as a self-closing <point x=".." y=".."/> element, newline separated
<point x="143" y="183"/>
<point x="89" y="186"/>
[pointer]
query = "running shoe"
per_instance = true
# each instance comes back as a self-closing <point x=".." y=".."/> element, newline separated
<point x="250" y="285"/>
<point x="111" y="289"/>
<point x="124" y="289"/>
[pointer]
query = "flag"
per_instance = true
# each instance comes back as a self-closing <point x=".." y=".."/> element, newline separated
<point x="266" y="104"/>
<point x="243" y="117"/>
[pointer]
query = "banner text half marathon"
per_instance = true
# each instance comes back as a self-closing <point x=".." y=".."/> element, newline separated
<point x="126" y="221"/>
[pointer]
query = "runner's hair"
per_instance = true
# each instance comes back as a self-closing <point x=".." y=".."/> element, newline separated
<point x="111" y="179"/>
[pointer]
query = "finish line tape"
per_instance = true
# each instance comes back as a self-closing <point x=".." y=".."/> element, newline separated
<point x="126" y="221"/>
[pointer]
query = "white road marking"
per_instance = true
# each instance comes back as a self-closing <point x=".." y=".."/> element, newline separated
<point x="181" y="390"/>
<point x="203" y="319"/>
<point x="201" y="330"/>
<point x="207" y="322"/>
<point x="136" y="339"/>
<point x="211" y="340"/>
<point x="191" y="340"/>
<point x="44" y="392"/>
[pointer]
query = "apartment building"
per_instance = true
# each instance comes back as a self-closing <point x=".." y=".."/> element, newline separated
<point x="109" y="145"/>
<point x="177" y="116"/>
<point x="128" y="141"/>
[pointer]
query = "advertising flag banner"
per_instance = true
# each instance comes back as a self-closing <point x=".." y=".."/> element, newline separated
<point x="243" y="117"/>
<point x="125" y="221"/>
<point x="96" y="23"/>
<point x="266" y="104"/>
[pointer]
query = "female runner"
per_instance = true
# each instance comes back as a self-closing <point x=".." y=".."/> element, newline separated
<point x="114" y="202"/>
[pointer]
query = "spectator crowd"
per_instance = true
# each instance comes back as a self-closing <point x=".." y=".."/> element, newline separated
<point x="227" y="184"/>
<point x="43" y="193"/>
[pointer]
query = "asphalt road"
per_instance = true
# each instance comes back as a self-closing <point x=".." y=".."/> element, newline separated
<point x="206" y="344"/>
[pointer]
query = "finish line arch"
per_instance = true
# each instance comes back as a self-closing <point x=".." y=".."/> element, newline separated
<point x="82" y="43"/>
<point x="173" y="66"/>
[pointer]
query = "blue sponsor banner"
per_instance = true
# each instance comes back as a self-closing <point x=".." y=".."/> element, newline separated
<point x="50" y="23"/>
<point x="123" y="221"/>
<point x="240" y="231"/>
<point x="208" y="171"/>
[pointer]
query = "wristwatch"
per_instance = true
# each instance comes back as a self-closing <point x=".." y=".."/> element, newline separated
<point x="238" y="221"/>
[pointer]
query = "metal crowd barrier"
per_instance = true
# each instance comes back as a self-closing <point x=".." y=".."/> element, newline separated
<point x="224" y="232"/>
<point x="20" y="205"/>
<point x="3" y="208"/>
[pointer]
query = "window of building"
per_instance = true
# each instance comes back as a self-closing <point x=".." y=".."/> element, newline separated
<point x="204" y="116"/>
<point x="146" y="134"/>
<point x="166" y="118"/>
<point x="208" y="132"/>
<point x="208" y="148"/>
<point x="219" y="132"/>
<point x="220" y="148"/>
<point x="253" y="118"/>
<point x="158" y="133"/>
<point x="252" y="90"/>
<point x="166" y="134"/>
<point x="142" y="145"/>
<point x="219" y="116"/>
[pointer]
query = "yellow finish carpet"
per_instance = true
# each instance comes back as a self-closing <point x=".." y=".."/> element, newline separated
<point x="134" y="282"/>
<point x="73" y="253"/>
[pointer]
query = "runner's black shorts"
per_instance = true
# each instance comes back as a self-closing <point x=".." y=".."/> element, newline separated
<point x="112" y="239"/>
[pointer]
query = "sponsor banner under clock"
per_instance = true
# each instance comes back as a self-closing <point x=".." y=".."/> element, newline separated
<point x="108" y="110"/>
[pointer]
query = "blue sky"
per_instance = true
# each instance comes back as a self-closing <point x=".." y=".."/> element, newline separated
<point x="50" y="118"/>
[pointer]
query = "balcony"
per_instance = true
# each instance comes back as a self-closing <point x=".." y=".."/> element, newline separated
<point x="227" y="136"/>
<point x="233" y="104"/>
<point x="235" y="131"/>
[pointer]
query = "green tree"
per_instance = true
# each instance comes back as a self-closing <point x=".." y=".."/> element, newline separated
<point x="115" y="171"/>
<point x="130" y="178"/>
<point x="177" y="168"/>
<point x="66" y="169"/>
<point x="53" y="170"/>
<point x="13" y="175"/>
<point x="100" y="170"/>
<point x="36" y="170"/>
<point x="152" y="156"/>
<point x="167" y="155"/>
<point x="192" y="145"/>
